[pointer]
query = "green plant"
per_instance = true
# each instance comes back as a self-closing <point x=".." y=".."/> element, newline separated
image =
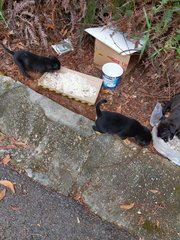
<point x="147" y="33"/>
<point x="1" y="12"/>
<point x="89" y="16"/>
<point x="90" y="12"/>
<point x="161" y="33"/>
<point x="120" y="8"/>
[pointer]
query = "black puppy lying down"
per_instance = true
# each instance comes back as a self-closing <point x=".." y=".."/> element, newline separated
<point x="170" y="126"/>
<point x="27" y="61"/>
<point x="116" y="123"/>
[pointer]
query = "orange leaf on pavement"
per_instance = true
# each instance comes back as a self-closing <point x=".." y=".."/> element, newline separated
<point x="8" y="184"/>
<point x="14" y="207"/>
<point x="2" y="136"/>
<point x="157" y="223"/>
<point x="78" y="196"/>
<point x="155" y="191"/>
<point x="19" y="143"/>
<point x="2" y="194"/>
<point x="9" y="146"/>
<point x="127" y="206"/>
<point x="6" y="159"/>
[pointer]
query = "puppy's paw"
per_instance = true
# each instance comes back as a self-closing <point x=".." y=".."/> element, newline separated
<point x="98" y="133"/>
<point x="96" y="130"/>
<point x="178" y="135"/>
<point x="126" y="141"/>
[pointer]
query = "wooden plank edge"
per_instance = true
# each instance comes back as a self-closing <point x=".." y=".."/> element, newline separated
<point x="66" y="95"/>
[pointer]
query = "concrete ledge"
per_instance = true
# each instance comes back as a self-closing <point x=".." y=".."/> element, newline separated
<point x="66" y="155"/>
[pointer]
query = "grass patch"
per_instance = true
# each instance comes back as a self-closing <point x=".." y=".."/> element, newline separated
<point x="2" y="13"/>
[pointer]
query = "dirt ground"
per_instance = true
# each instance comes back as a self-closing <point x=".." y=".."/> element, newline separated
<point x="135" y="96"/>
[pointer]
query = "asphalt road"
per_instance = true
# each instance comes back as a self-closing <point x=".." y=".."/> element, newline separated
<point x="34" y="212"/>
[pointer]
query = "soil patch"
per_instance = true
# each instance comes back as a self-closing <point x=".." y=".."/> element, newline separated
<point x="135" y="96"/>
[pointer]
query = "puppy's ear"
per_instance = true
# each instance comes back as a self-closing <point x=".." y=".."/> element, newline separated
<point x="163" y="118"/>
<point x="166" y="107"/>
<point x="172" y="128"/>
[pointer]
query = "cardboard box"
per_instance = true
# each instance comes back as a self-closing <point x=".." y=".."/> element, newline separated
<point x="113" y="46"/>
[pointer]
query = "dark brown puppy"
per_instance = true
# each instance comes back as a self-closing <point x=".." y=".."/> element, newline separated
<point x="116" y="123"/>
<point x="27" y="61"/>
<point x="170" y="126"/>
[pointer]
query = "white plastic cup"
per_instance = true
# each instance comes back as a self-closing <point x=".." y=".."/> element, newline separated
<point x="111" y="74"/>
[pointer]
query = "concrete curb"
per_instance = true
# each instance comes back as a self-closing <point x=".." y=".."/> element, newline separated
<point x="66" y="155"/>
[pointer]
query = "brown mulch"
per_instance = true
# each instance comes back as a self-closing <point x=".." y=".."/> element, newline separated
<point x="36" y="25"/>
<point x="136" y="94"/>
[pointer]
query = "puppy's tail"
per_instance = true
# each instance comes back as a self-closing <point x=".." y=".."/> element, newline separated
<point x="6" y="49"/>
<point x="98" y="110"/>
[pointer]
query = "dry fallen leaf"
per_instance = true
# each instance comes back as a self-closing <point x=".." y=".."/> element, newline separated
<point x="141" y="220"/>
<point x="157" y="223"/>
<point x="65" y="32"/>
<point x="19" y="143"/>
<point x="8" y="184"/>
<point x="78" y="196"/>
<point x="14" y="207"/>
<point x="2" y="136"/>
<point x="20" y="45"/>
<point x="106" y="91"/>
<point x="78" y="221"/>
<point x="127" y="206"/>
<point x="126" y="95"/>
<point x="155" y="191"/>
<point x="6" y="159"/>
<point x="2" y="194"/>
<point x="146" y="123"/>
<point x="50" y="26"/>
<point x="9" y="146"/>
<point x="119" y="109"/>
<point x="160" y="206"/>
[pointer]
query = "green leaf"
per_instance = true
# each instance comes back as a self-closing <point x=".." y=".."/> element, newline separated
<point x="146" y="39"/>
<point x="167" y="17"/>
<point x="90" y="12"/>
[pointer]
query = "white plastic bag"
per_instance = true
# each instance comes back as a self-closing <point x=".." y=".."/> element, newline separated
<point x="156" y="114"/>
<point x="166" y="149"/>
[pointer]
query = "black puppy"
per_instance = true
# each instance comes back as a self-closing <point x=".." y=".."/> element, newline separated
<point x="27" y="61"/>
<point x="116" y="123"/>
<point x="170" y="126"/>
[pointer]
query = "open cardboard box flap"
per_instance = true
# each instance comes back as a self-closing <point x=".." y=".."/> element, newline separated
<point x="115" y="40"/>
<point x="113" y="46"/>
